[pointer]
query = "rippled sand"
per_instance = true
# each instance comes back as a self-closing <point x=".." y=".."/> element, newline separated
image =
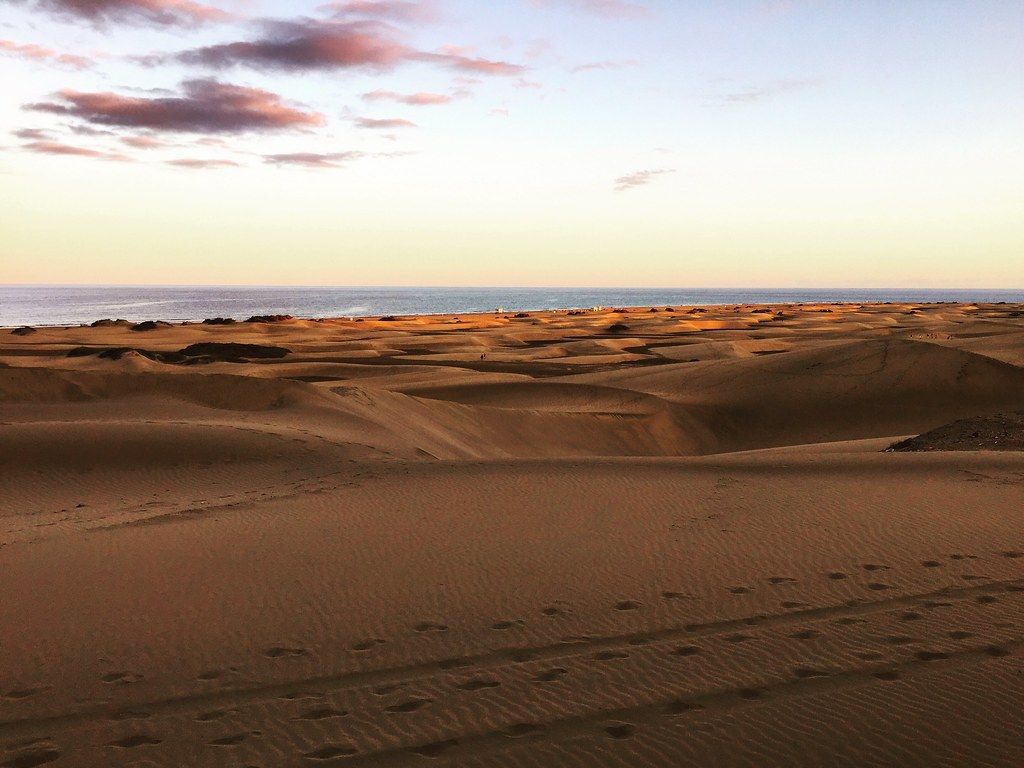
<point x="515" y="541"/>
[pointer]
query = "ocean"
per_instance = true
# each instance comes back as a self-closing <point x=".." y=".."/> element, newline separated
<point x="75" y="304"/>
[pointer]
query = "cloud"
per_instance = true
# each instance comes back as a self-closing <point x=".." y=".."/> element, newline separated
<point x="31" y="134"/>
<point x="57" y="148"/>
<point x="201" y="163"/>
<point x="310" y="44"/>
<point x="206" y="106"/>
<point x="143" y="142"/>
<point x="615" y="9"/>
<point x="639" y="178"/>
<point x="463" y="63"/>
<point x="383" y="124"/>
<point x="305" y="45"/>
<point x="393" y="10"/>
<point x="411" y="99"/>
<point x="757" y="94"/>
<point x="313" y="159"/>
<point x="610" y="64"/>
<point x="35" y="52"/>
<point x="156" y="12"/>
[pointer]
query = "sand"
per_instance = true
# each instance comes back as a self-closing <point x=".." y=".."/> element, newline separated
<point x="517" y="541"/>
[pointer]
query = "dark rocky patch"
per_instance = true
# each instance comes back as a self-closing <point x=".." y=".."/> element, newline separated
<point x="1001" y="432"/>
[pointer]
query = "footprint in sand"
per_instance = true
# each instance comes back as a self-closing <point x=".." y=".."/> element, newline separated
<point x="887" y="675"/>
<point x="550" y="675"/>
<point x="685" y="650"/>
<point x="627" y="605"/>
<point x="620" y="730"/>
<point x="136" y="740"/>
<point x="282" y="651"/>
<point x="430" y="626"/>
<point x="230" y="741"/>
<point x="436" y="749"/>
<point x="930" y="655"/>
<point x="806" y="634"/>
<point x="740" y="590"/>
<point x="875" y="567"/>
<point x="331" y="752"/>
<point x="781" y="580"/>
<point x="24" y="693"/>
<point x="837" y="575"/>
<point x="408" y="706"/>
<point x="679" y="707"/>
<point x="739" y="637"/>
<point x="931" y="563"/>
<point x="910" y="616"/>
<point x="878" y="586"/>
<point x="553" y="610"/>
<point x="751" y="694"/>
<point x="960" y="634"/>
<point x="323" y="713"/>
<point x="366" y="645"/>
<point x="610" y="655"/>
<point x="121" y="678"/>
<point x="522" y="730"/>
<point x="478" y="684"/>
<point x="504" y="625"/>
<point x="791" y="604"/>
<point x="31" y="758"/>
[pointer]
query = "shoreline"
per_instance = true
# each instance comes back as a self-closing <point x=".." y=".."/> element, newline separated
<point x="681" y="308"/>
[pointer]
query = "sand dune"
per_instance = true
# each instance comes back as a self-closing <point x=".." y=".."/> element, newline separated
<point x="517" y="541"/>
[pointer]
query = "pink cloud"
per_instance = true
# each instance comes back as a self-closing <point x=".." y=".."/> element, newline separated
<point x="411" y="99"/>
<point x="313" y="159"/>
<point x="309" y="44"/>
<point x="305" y="45"/>
<point x="639" y="178"/>
<point x="383" y="124"/>
<point x="206" y="106"/>
<point x="158" y="12"/>
<point x="201" y="164"/>
<point x="58" y="148"/>
<point x="39" y="53"/>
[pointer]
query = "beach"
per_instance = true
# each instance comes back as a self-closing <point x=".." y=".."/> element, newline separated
<point x="650" y="536"/>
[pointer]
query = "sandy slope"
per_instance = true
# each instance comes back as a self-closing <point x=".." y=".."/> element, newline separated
<point x="515" y="541"/>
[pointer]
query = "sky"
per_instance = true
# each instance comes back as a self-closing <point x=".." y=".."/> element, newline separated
<point x="661" y="143"/>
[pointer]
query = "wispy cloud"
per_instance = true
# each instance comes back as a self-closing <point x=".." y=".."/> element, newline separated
<point x="35" y="52"/>
<point x="154" y="12"/>
<point x="313" y="159"/>
<point x="616" y="9"/>
<point x="395" y="10"/>
<point x="199" y="164"/>
<point x="639" y="178"/>
<point x="756" y="94"/>
<point x="58" y="148"/>
<point x="386" y="123"/>
<point x="411" y="99"/>
<point x="609" y="64"/>
<point x="205" y="106"/>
